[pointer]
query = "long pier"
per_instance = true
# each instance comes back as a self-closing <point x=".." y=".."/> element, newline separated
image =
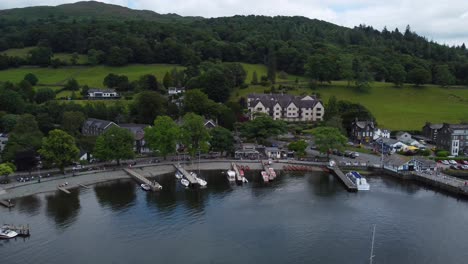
<point x="63" y="190"/>
<point x="186" y="175"/>
<point x="141" y="179"/>
<point x="346" y="181"/>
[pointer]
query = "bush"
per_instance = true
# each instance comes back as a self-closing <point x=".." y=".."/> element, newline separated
<point x="442" y="153"/>
<point x="425" y="152"/>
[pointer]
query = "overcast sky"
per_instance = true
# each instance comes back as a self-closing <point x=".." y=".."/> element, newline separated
<point x="442" y="21"/>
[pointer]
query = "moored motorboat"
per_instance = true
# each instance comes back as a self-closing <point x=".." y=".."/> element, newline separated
<point x="6" y="233"/>
<point x="358" y="180"/>
<point x="145" y="187"/>
<point x="272" y="173"/>
<point x="200" y="181"/>
<point x="184" y="182"/>
<point x="265" y="176"/>
<point x="178" y="175"/>
<point x="231" y="175"/>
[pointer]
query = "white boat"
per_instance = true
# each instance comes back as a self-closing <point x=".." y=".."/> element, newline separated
<point x="272" y="173"/>
<point x="178" y="175"/>
<point x="6" y="233"/>
<point x="231" y="175"/>
<point x="265" y="176"/>
<point x="185" y="182"/>
<point x="244" y="180"/>
<point x="145" y="187"/>
<point x="358" y="180"/>
<point x="200" y="181"/>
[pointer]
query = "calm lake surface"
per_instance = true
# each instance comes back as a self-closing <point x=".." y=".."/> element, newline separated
<point x="299" y="218"/>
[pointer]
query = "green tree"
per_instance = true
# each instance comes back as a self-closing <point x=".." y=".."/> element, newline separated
<point x="148" y="82"/>
<point x="443" y="76"/>
<point x="332" y="108"/>
<point x="72" y="122"/>
<point x="263" y="127"/>
<point x="72" y="85"/>
<point x="40" y="56"/>
<point x="25" y="136"/>
<point x="114" y="144"/>
<point x="198" y="102"/>
<point x="271" y="65"/>
<point x="95" y="56"/>
<point x="163" y="136"/>
<point x="194" y="133"/>
<point x="6" y="169"/>
<point x="254" y="78"/>
<point x="147" y="106"/>
<point x="8" y="122"/>
<point x="119" y="82"/>
<point x="43" y="95"/>
<point x="118" y="56"/>
<point x="299" y="147"/>
<point x="59" y="148"/>
<point x="167" y="80"/>
<point x="74" y="58"/>
<point x="321" y="67"/>
<point x="221" y="139"/>
<point x="419" y="76"/>
<point x="11" y="101"/>
<point x="31" y="78"/>
<point x="397" y="74"/>
<point x="327" y="138"/>
<point x="26" y="90"/>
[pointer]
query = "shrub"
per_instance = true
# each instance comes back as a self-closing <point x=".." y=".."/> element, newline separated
<point x="442" y="153"/>
<point x="425" y="152"/>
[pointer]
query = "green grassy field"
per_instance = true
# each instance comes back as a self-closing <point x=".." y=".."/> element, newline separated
<point x="406" y="108"/>
<point x="92" y="76"/>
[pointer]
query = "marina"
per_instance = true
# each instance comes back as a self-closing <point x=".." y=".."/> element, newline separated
<point x="152" y="185"/>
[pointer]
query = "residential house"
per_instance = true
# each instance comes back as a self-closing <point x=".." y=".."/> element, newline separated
<point x="209" y="124"/>
<point x="95" y="127"/>
<point x="286" y="107"/>
<point x="381" y="133"/>
<point x="430" y="131"/>
<point x="454" y="138"/>
<point x="138" y="131"/>
<point x="362" y="131"/>
<point x="247" y="151"/>
<point x="175" y="90"/>
<point x="390" y="145"/>
<point x="102" y="94"/>
<point x="404" y="137"/>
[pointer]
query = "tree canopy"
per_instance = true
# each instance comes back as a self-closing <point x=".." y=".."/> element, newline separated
<point x="262" y="127"/>
<point x="114" y="144"/>
<point x="327" y="138"/>
<point x="195" y="136"/>
<point x="163" y="137"/>
<point x="59" y="148"/>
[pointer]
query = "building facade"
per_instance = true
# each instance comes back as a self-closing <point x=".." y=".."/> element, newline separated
<point x="286" y="107"/>
<point x="102" y="94"/>
<point x="362" y="131"/>
<point x="430" y="131"/>
<point x="454" y="138"/>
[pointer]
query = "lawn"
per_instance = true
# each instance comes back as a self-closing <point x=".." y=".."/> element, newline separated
<point x="406" y="108"/>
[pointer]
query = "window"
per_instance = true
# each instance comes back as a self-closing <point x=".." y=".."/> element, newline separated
<point x="259" y="109"/>
<point x="319" y="109"/>
<point x="319" y="114"/>
<point x="277" y="108"/>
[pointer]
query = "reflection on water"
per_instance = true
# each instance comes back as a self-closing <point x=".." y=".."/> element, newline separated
<point x="117" y="195"/>
<point x="298" y="218"/>
<point x="63" y="208"/>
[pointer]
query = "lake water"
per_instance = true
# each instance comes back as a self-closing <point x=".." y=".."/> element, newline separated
<point x="302" y="218"/>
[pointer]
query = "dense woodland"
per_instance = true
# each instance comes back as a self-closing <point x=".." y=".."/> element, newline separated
<point x="286" y="43"/>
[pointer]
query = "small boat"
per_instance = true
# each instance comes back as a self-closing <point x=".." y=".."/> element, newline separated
<point x="265" y="176"/>
<point x="244" y="180"/>
<point x="202" y="182"/>
<point x="272" y="173"/>
<point x="185" y="182"/>
<point x="145" y="187"/>
<point x="6" y="233"/>
<point x="231" y="175"/>
<point x="178" y="175"/>
<point x="358" y="180"/>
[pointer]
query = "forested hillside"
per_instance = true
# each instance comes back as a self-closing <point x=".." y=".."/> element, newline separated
<point x="115" y="36"/>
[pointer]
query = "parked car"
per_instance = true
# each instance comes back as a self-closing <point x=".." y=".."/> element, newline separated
<point x="452" y="162"/>
<point x="356" y="154"/>
<point x="445" y="162"/>
<point x="453" y="167"/>
<point x="465" y="167"/>
<point x="465" y="162"/>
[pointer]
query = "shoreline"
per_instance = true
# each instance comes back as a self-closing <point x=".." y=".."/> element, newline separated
<point x="18" y="190"/>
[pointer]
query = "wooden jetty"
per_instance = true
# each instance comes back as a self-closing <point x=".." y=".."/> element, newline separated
<point x="22" y="230"/>
<point x="186" y="175"/>
<point x="236" y="170"/>
<point x="346" y="181"/>
<point x="84" y="186"/>
<point x="141" y="179"/>
<point x="7" y="204"/>
<point x="63" y="190"/>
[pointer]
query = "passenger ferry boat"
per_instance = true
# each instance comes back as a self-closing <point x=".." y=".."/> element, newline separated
<point x="6" y="233"/>
<point x="358" y="180"/>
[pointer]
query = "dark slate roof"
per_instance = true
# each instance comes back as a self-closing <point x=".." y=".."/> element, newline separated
<point x="284" y="100"/>
<point x="98" y="123"/>
<point x="101" y="90"/>
<point x="458" y="126"/>
<point x="435" y="126"/>
<point x="138" y="130"/>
